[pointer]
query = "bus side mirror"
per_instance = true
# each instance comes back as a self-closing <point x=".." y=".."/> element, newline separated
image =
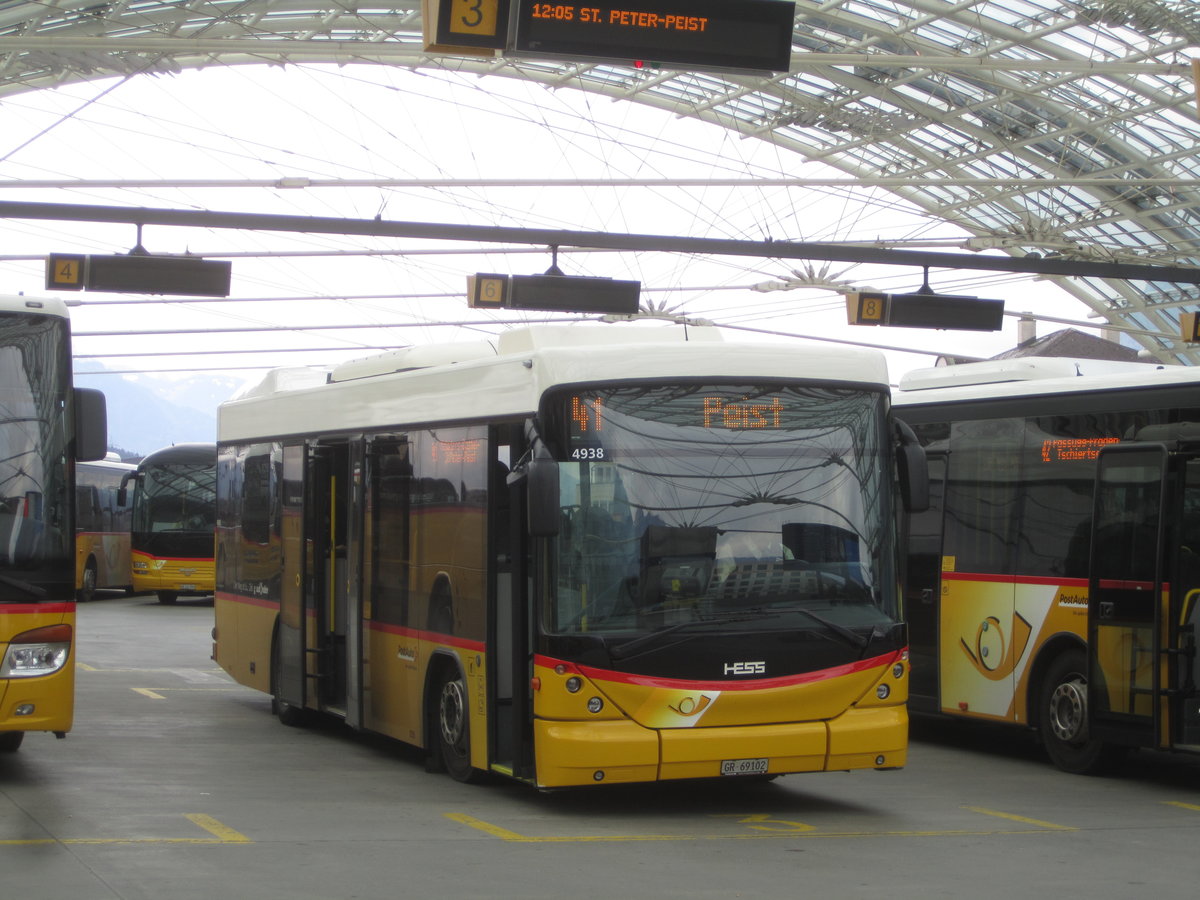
<point x="541" y="485"/>
<point x="91" y="425"/>
<point x="123" y="490"/>
<point x="912" y="469"/>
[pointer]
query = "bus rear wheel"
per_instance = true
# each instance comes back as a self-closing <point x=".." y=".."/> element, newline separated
<point x="10" y="741"/>
<point x="454" y="727"/>
<point x="1063" y="718"/>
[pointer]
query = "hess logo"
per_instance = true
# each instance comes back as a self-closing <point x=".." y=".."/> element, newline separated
<point x="746" y="668"/>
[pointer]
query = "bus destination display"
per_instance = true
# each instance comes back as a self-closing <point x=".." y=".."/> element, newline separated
<point x="720" y="35"/>
<point x="585" y="417"/>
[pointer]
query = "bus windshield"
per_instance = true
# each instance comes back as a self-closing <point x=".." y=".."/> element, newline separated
<point x="176" y="497"/>
<point x="744" y="507"/>
<point x="36" y="537"/>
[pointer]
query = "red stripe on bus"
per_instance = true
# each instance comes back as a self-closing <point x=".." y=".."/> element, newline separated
<point x="1118" y="584"/>
<point x="384" y="627"/>
<point x="433" y="636"/>
<point x="248" y="601"/>
<point x="188" y="559"/>
<point x="20" y="609"/>
<point x="1013" y="579"/>
<point x="758" y="684"/>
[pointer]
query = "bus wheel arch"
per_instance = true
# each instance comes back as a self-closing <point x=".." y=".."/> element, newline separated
<point x="448" y="719"/>
<point x="1059" y="710"/>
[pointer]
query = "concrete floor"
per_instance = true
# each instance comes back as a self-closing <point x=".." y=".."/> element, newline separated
<point x="178" y="784"/>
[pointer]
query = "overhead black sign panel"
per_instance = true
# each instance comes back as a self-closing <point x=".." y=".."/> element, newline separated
<point x="139" y="274"/>
<point x="717" y="35"/>
<point x="949" y="311"/>
<point x="553" y="293"/>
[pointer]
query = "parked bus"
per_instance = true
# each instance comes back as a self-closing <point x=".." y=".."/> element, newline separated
<point x="102" y="521"/>
<point x="1053" y="582"/>
<point x="575" y="555"/>
<point x="174" y="511"/>
<point x="45" y="426"/>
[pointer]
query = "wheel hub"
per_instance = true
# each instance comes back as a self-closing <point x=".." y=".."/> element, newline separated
<point x="452" y="712"/>
<point x="1068" y="711"/>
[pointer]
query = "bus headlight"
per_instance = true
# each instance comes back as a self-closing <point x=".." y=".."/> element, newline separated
<point x="42" y="651"/>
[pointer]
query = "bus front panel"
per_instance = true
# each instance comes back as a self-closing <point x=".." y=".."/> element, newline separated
<point x="37" y="667"/>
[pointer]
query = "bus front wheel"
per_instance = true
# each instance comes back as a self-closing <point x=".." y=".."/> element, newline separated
<point x="10" y="741"/>
<point x="87" y="583"/>
<point x="1063" y="718"/>
<point x="292" y="716"/>
<point x="454" y="727"/>
<point x="167" y="597"/>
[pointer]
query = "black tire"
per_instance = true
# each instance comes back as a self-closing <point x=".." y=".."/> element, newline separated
<point x="289" y="715"/>
<point x="167" y="597"/>
<point x="452" y="721"/>
<point x="10" y="741"/>
<point x="1063" y="718"/>
<point x="87" y="584"/>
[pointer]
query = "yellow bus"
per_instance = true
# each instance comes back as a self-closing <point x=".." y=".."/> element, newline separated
<point x="102" y="518"/>
<point x="174" y="514"/>
<point x="46" y="426"/>
<point x="575" y="555"/>
<point x="1053" y="581"/>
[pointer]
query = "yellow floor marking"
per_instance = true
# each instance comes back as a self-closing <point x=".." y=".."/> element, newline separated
<point x="157" y="693"/>
<point x="1003" y="815"/>
<point x="494" y="830"/>
<point x="222" y="834"/>
<point x="804" y="832"/>
<point x="221" y="830"/>
<point x="1191" y="806"/>
<point x="86" y="667"/>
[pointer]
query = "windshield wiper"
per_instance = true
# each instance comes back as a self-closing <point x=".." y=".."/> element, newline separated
<point x="635" y="646"/>
<point x="851" y="637"/>
<point x="33" y="590"/>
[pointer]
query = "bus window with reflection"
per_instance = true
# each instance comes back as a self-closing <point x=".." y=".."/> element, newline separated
<point x="755" y="506"/>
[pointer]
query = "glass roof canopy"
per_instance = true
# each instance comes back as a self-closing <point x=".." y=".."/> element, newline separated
<point x="1053" y="127"/>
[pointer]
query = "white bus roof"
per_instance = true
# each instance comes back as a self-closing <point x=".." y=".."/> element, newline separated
<point x="506" y="377"/>
<point x="54" y="306"/>
<point x="1033" y="376"/>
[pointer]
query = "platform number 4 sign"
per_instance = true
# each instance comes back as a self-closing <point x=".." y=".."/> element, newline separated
<point x="65" y="271"/>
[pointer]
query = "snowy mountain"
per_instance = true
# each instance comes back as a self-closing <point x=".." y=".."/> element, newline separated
<point x="149" y="411"/>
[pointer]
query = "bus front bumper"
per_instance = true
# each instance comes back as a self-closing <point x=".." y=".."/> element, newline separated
<point x="606" y="752"/>
<point x="38" y="704"/>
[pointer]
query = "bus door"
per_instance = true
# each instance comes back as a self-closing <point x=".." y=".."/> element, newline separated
<point x="510" y="626"/>
<point x="334" y="483"/>
<point x="290" y="678"/>
<point x="1184" y="621"/>
<point x="1125" y="595"/>
<point x="923" y="586"/>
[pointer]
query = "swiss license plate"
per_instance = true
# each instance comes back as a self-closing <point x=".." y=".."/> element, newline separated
<point x="744" y="766"/>
<point x="187" y="587"/>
